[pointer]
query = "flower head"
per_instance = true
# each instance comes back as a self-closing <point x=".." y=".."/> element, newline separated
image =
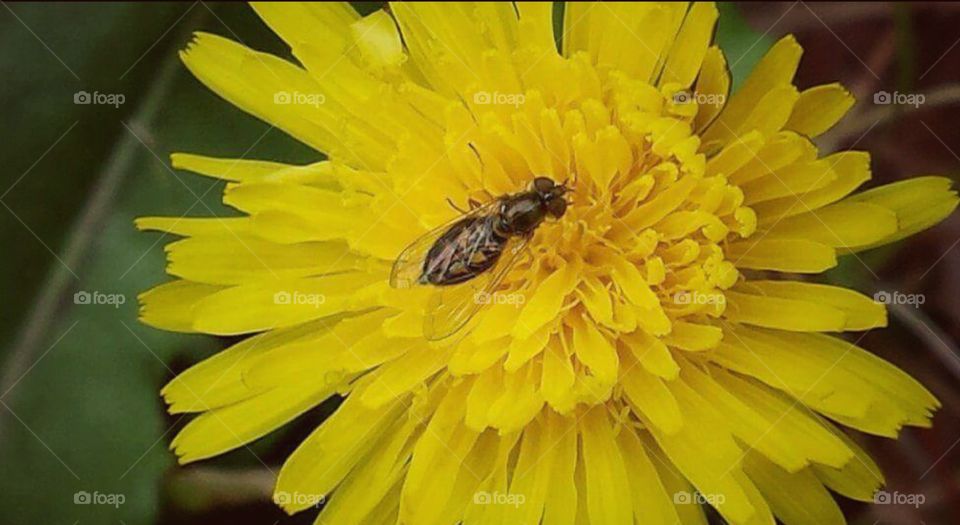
<point x="650" y="352"/>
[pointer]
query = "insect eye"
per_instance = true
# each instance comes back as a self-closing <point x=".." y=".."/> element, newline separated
<point x="543" y="184"/>
<point x="557" y="207"/>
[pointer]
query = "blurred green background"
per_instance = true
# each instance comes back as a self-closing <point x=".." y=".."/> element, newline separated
<point x="79" y="405"/>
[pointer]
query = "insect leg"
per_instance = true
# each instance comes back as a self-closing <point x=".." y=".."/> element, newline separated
<point x="454" y="206"/>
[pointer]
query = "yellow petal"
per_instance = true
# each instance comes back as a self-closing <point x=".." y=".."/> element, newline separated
<point x="471" y="358"/>
<point x="532" y="473"/>
<point x="596" y="298"/>
<point x="859" y="479"/>
<point x="561" y="505"/>
<point x="354" y="344"/>
<point x="687" y="54"/>
<point x="607" y="488"/>
<point x="236" y="259"/>
<point x="706" y="454"/>
<point x="244" y="170"/>
<point x="333" y="449"/>
<point x="795" y="179"/>
<point x="323" y="24"/>
<point x="329" y="208"/>
<point x="378" y="40"/>
<point x="796" y="498"/>
<point x="483" y="393"/>
<point x="783" y="255"/>
<point x="266" y="305"/>
<point x="656" y="505"/>
<point x="736" y="154"/>
<point x="194" y="226"/>
<point x="516" y="400"/>
<point x="594" y="350"/>
<point x="375" y="481"/>
<point x="676" y="485"/>
<point x="546" y="301"/>
<point x="170" y="306"/>
<point x="777" y="153"/>
<point x="819" y="108"/>
<point x="713" y="82"/>
<point x="222" y="429"/>
<point x="693" y="337"/>
<point x="851" y="168"/>
<point x="397" y="378"/>
<point x="437" y="459"/>
<point x="919" y="203"/>
<point x="816" y="307"/>
<point x="775" y="69"/>
<point x="830" y="375"/>
<point x="785" y="314"/>
<point x="652" y="354"/>
<point x="655" y="209"/>
<point x="649" y="395"/>
<point x="841" y="225"/>
<point x="485" y="469"/>
<point x="786" y="424"/>
<point x="536" y="25"/>
<point x="265" y="86"/>
<point x="218" y="381"/>
<point x="558" y="378"/>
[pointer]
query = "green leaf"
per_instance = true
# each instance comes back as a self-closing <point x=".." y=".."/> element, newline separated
<point x="81" y="413"/>
<point x="743" y="46"/>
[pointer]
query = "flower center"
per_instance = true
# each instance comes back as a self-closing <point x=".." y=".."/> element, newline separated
<point x="639" y="251"/>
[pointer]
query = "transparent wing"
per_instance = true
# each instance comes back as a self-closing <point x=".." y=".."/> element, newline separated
<point x="409" y="264"/>
<point x="450" y="308"/>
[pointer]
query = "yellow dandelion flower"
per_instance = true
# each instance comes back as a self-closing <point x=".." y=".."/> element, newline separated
<point x="649" y="353"/>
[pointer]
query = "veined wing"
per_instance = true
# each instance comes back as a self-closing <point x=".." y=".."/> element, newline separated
<point x="451" y="307"/>
<point x="409" y="264"/>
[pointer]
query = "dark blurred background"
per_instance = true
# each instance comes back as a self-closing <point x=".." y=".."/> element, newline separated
<point x="79" y="409"/>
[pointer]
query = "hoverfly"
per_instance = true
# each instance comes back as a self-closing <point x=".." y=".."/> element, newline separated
<point x="468" y="257"/>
